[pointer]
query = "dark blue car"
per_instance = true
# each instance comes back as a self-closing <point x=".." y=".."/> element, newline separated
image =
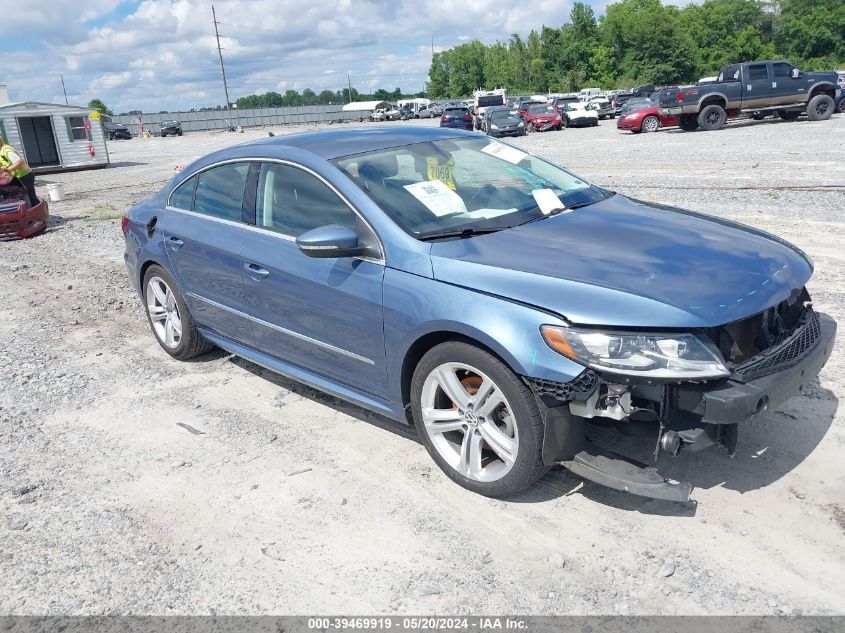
<point x="491" y="298"/>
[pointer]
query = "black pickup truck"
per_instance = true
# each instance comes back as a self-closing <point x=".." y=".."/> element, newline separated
<point x="752" y="88"/>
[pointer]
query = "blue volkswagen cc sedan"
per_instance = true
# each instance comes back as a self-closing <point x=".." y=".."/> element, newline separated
<point x="496" y="301"/>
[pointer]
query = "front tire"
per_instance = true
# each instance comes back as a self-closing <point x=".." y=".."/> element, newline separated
<point x="651" y="124"/>
<point x="168" y="315"/>
<point x="712" y="117"/>
<point x="820" y="108"/>
<point x="479" y="422"/>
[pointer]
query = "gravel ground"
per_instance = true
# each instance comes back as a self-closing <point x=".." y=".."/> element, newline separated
<point x="131" y="483"/>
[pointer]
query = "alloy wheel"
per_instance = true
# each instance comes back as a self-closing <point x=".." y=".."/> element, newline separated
<point x="164" y="312"/>
<point x="651" y="124"/>
<point x="821" y="108"/>
<point x="469" y="422"/>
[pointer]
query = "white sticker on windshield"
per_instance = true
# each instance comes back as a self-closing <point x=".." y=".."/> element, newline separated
<point x="505" y="152"/>
<point x="547" y="200"/>
<point x="437" y="197"/>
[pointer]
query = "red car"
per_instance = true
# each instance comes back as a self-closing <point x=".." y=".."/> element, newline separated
<point x="644" y="117"/>
<point x="542" y="117"/>
<point x="17" y="219"/>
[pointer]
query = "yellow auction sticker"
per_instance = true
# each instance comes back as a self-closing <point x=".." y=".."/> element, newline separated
<point x="95" y="116"/>
<point x="443" y="172"/>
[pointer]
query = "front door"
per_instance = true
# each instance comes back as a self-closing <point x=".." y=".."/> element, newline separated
<point x="786" y="89"/>
<point x="758" y="86"/>
<point x="38" y="141"/>
<point x="324" y="315"/>
<point x="204" y="236"/>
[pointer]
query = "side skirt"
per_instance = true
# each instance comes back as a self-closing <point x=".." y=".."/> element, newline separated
<point x="306" y="377"/>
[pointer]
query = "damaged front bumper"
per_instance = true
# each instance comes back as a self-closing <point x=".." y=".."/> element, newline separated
<point x="686" y="416"/>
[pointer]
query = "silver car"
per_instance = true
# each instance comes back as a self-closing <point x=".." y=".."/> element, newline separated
<point x="603" y="108"/>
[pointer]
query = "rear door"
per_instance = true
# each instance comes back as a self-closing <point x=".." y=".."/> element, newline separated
<point x="204" y="235"/>
<point x="757" y="85"/>
<point x="324" y="315"/>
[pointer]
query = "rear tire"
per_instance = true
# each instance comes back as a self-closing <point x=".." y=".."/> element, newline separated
<point x="820" y="108"/>
<point x="688" y="122"/>
<point x="515" y="426"/>
<point x="712" y="117"/>
<point x="841" y="108"/>
<point x="163" y="302"/>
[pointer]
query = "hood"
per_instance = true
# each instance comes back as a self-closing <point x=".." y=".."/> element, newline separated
<point x="625" y="263"/>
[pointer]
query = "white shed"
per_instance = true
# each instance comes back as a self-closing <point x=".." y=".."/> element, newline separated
<point x="365" y="106"/>
<point x="54" y="137"/>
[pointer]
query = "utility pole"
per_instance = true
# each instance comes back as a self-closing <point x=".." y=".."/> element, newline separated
<point x="432" y="47"/>
<point x="63" y="86"/>
<point x="349" y="83"/>
<point x="222" y="68"/>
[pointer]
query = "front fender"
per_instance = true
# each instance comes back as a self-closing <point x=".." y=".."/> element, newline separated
<point x="415" y="307"/>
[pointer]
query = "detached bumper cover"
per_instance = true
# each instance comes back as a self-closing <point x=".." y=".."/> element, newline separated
<point x="18" y="222"/>
<point x="734" y="402"/>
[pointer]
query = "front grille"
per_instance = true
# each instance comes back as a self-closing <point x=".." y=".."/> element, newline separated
<point x="580" y="388"/>
<point x="787" y="353"/>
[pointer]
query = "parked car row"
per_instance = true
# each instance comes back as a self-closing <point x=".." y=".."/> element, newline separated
<point x="114" y="131"/>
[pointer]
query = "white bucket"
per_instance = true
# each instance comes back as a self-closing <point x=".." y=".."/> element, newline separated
<point x="56" y="192"/>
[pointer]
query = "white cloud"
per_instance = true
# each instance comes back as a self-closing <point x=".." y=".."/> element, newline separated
<point x="162" y="54"/>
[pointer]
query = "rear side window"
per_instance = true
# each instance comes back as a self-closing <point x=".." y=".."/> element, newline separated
<point x="291" y="201"/>
<point x="183" y="195"/>
<point x="757" y="71"/>
<point x="220" y="191"/>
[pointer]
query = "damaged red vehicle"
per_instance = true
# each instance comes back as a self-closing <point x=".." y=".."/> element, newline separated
<point x="540" y="118"/>
<point x="18" y="220"/>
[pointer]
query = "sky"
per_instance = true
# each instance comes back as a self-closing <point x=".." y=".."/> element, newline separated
<point x="153" y="55"/>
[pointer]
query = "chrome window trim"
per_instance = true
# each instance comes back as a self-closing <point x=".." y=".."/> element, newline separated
<point x="278" y="328"/>
<point x="281" y="161"/>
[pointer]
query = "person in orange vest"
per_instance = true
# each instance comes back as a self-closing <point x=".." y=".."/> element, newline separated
<point x="13" y="165"/>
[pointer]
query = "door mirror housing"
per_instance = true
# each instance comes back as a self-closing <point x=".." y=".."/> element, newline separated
<point x="795" y="74"/>
<point x="330" y="241"/>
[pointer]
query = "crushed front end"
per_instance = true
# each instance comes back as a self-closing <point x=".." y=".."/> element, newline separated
<point x="17" y="219"/>
<point x="758" y="363"/>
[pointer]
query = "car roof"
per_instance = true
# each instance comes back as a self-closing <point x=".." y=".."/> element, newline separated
<point x="332" y="144"/>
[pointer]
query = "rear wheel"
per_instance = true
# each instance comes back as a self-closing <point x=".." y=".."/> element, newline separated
<point x="688" y="122"/>
<point x="478" y="421"/>
<point x="169" y="318"/>
<point x="841" y="108"/>
<point x="651" y="124"/>
<point x="712" y="117"/>
<point x="788" y="115"/>
<point x="820" y="108"/>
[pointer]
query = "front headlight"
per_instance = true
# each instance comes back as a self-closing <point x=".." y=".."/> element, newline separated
<point x="521" y="124"/>
<point x="493" y="126"/>
<point x="668" y="356"/>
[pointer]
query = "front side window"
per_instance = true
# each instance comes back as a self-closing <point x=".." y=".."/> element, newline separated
<point x="757" y="71"/>
<point x="183" y="196"/>
<point x="783" y="70"/>
<point x="220" y="191"/>
<point x="291" y="201"/>
<point x="464" y="184"/>
<point x="76" y="128"/>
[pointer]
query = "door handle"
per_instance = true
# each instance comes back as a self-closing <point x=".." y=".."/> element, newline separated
<point x="256" y="272"/>
<point x="175" y="242"/>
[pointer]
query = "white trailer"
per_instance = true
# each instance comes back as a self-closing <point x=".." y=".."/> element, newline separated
<point x="54" y="137"/>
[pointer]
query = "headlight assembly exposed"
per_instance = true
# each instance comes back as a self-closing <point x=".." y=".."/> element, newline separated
<point x="664" y="356"/>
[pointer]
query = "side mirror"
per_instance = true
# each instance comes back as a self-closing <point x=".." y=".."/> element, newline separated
<point x="330" y="241"/>
<point x="795" y="74"/>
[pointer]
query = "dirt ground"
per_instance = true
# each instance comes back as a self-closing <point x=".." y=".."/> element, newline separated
<point x="132" y="483"/>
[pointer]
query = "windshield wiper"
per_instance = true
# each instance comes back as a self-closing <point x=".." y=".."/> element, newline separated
<point x="571" y="207"/>
<point x="462" y="233"/>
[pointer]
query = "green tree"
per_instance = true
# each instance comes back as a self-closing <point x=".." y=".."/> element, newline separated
<point x="99" y="106"/>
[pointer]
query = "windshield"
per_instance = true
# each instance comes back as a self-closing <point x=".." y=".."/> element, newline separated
<point x="542" y="110"/>
<point x="637" y="104"/>
<point x="464" y="184"/>
<point x="503" y="115"/>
